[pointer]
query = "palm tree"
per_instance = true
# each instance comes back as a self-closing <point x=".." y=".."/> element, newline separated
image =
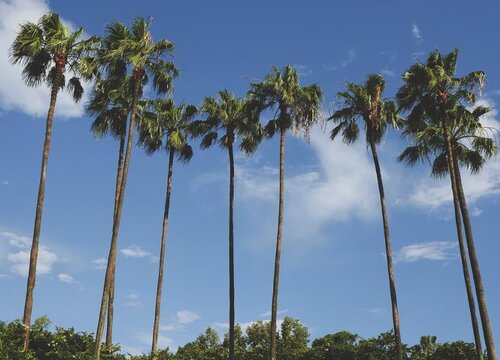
<point x="45" y="50"/>
<point x="295" y="108"/>
<point x="133" y="49"/>
<point x="232" y="118"/>
<point x="110" y="105"/>
<point x="432" y="88"/>
<point x="165" y="127"/>
<point x="471" y="146"/>
<point x="364" y="103"/>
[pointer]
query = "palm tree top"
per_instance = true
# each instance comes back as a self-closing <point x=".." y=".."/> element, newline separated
<point x="228" y="118"/>
<point x="473" y="143"/>
<point x="47" y="45"/>
<point x="166" y="126"/>
<point x="364" y="102"/>
<point x="123" y="47"/>
<point x="436" y="81"/>
<point x="295" y="107"/>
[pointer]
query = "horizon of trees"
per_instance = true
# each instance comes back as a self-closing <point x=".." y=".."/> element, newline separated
<point x="293" y="343"/>
<point x="434" y="108"/>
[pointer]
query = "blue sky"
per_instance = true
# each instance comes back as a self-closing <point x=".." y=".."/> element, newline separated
<point x="333" y="273"/>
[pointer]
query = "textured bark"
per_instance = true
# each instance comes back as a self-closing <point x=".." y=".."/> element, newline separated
<point x="111" y="297"/>
<point x="276" y="280"/>
<point x="28" y="305"/>
<point x="467" y="280"/>
<point x="231" y="251"/>
<point x="388" y="252"/>
<point x="156" y="324"/>
<point x="116" y="227"/>
<point x="476" y="273"/>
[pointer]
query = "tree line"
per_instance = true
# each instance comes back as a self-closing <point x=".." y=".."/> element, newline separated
<point x="435" y="110"/>
<point x="293" y="343"/>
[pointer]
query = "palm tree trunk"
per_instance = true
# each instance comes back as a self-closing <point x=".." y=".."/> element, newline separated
<point x="476" y="273"/>
<point x="156" y="324"/>
<point x="28" y="305"/>
<point x="111" y="299"/>
<point x="116" y="227"/>
<point x="231" y="252"/>
<point x="468" y="286"/>
<point x="274" y="308"/>
<point x="388" y="252"/>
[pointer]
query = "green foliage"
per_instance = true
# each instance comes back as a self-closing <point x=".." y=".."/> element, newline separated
<point x="293" y="344"/>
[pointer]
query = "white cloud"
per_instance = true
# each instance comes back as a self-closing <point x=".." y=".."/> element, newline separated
<point x="15" y="240"/>
<point x="99" y="263"/>
<point x="163" y="341"/>
<point x="14" y="94"/>
<point x="135" y="251"/>
<point x="434" y="251"/>
<point x="133" y="299"/>
<point x="476" y="211"/>
<point x="268" y="313"/>
<point x="19" y="255"/>
<point x="187" y="317"/>
<point x="416" y="33"/>
<point x="182" y="318"/>
<point x="65" y="278"/>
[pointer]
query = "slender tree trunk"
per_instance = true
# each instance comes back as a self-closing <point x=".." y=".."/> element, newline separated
<point x="231" y="252"/>
<point x="476" y="273"/>
<point x="156" y="324"/>
<point x="28" y="305"/>
<point x="116" y="227"/>
<point x="388" y="252"/>
<point x="111" y="299"/>
<point x="274" y="307"/>
<point x="465" y="269"/>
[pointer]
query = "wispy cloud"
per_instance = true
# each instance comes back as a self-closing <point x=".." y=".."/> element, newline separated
<point x="268" y="313"/>
<point x="351" y="56"/>
<point x="416" y="33"/>
<point x="99" y="263"/>
<point x="65" y="278"/>
<point x="181" y="319"/>
<point x="132" y="299"/>
<point x="303" y="70"/>
<point x="388" y="72"/>
<point x="135" y="251"/>
<point x="433" y="251"/>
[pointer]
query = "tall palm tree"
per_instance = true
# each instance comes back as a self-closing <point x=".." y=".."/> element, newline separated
<point x="228" y="118"/>
<point x="364" y="103"/>
<point x="46" y="49"/>
<point x="433" y="88"/>
<point x="165" y="127"/>
<point x="123" y="50"/>
<point x="110" y="104"/>
<point x="296" y="108"/>
<point x="471" y="146"/>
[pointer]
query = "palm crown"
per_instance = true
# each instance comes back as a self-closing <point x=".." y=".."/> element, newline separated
<point x="123" y="47"/>
<point x="470" y="141"/>
<point x="364" y="102"/>
<point x="296" y="107"/>
<point x="234" y="117"/>
<point x="165" y="125"/>
<point x="46" y="48"/>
